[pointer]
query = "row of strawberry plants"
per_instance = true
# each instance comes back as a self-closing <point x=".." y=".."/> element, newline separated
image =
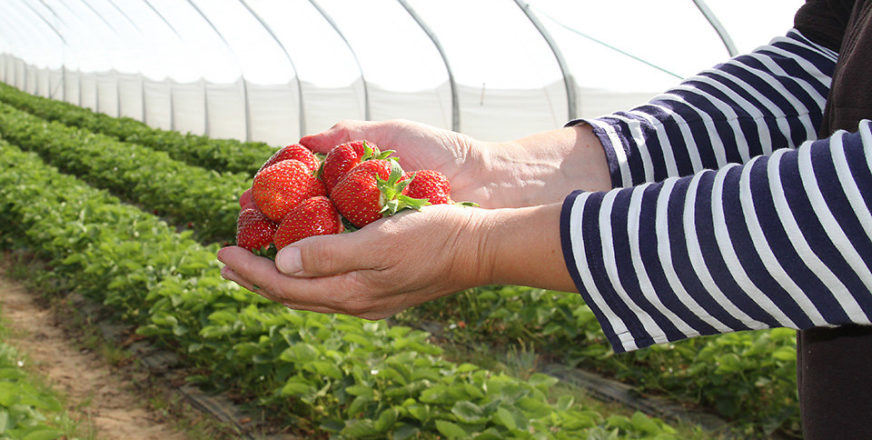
<point x="746" y="377"/>
<point x="219" y="154"/>
<point x="738" y="390"/>
<point x="203" y="200"/>
<point x="327" y="373"/>
<point x="27" y="410"/>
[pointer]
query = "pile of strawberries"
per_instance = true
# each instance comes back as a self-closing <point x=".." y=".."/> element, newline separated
<point x="294" y="195"/>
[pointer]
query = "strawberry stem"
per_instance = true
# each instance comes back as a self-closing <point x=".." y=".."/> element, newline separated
<point x="392" y="192"/>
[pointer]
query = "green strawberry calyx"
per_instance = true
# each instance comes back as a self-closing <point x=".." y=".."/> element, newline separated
<point x="392" y="198"/>
<point x="370" y="153"/>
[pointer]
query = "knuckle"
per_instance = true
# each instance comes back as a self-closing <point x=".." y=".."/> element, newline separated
<point x="344" y="127"/>
<point x="317" y="258"/>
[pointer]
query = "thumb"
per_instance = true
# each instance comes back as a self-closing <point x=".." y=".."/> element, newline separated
<point x="325" y="255"/>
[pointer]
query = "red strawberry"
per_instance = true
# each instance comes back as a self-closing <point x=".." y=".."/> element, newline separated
<point x="280" y="186"/>
<point x="246" y="200"/>
<point x="430" y="185"/>
<point x="254" y="230"/>
<point x="294" y="151"/>
<point x="372" y="190"/>
<point x="313" y="216"/>
<point x="344" y="157"/>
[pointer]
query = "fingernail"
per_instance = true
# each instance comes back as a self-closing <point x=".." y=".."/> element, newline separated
<point x="289" y="261"/>
<point x="221" y="253"/>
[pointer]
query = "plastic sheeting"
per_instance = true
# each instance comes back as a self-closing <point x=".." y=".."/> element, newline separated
<point x="273" y="70"/>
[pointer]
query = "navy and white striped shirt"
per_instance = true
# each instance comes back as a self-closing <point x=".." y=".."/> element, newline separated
<point x="728" y="214"/>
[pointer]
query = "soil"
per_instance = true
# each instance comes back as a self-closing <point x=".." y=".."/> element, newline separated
<point x="104" y="401"/>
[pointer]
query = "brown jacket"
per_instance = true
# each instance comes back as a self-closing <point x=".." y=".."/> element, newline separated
<point x="846" y="27"/>
<point x="834" y="365"/>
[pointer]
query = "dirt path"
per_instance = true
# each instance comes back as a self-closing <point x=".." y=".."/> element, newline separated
<point x="96" y="396"/>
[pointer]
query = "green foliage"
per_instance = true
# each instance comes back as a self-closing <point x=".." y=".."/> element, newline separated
<point x="218" y="154"/>
<point x="205" y="201"/>
<point x="27" y="411"/>
<point x="746" y="377"/>
<point x="329" y="373"/>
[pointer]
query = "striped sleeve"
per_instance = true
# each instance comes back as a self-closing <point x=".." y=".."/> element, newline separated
<point x="751" y="105"/>
<point x="784" y="240"/>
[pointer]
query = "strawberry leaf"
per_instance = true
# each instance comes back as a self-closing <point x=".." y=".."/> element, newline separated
<point x="385" y="154"/>
<point x="396" y="172"/>
<point x="269" y="252"/>
<point x="349" y="227"/>
<point x="413" y="203"/>
<point x="320" y="170"/>
<point x="368" y="152"/>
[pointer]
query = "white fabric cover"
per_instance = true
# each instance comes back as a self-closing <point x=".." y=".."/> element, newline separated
<point x="273" y="70"/>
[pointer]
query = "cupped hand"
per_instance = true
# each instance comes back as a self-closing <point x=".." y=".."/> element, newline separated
<point x="418" y="146"/>
<point x="375" y="272"/>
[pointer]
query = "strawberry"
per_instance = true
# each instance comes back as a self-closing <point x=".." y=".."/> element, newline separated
<point x="280" y="186"/>
<point x="246" y="200"/>
<point x="430" y="185"/>
<point x="372" y="190"/>
<point x="254" y="230"/>
<point x="313" y="216"/>
<point x="293" y="151"/>
<point x="344" y="157"/>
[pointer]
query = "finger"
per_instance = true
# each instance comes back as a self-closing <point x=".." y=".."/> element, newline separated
<point x="327" y="255"/>
<point x="323" y="142"/>
<point x="338" y="294"/>
<point x="257" y="274"/>
<point x="229" y="274"/>
<point x="261" y="277"/>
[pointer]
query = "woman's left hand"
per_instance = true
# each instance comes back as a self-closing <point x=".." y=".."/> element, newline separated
<point x="374" y="272"/>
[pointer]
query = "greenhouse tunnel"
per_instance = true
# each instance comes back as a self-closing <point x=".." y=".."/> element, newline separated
<point x="272" y="71"/>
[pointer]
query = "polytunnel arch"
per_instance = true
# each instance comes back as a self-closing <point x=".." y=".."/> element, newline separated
<point x="12" y="24"/>
<point x="719" y="28"/>
<point x="558" y="55"/>
<point x="452" y="84"/>
<point x="268" y="28"/>
<point x="366" y="105"/>
<point x="246" y="113"/>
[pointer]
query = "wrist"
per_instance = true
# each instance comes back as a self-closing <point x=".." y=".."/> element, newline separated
<point x="544" y="168"/>
<point x="522" y="246"/>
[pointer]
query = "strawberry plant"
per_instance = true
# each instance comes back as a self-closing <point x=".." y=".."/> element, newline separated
<point x="219" y="154"/>
<point x="746" y="377"/>
<point x="26" y="410"/>
<point x="201" y="199"/>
